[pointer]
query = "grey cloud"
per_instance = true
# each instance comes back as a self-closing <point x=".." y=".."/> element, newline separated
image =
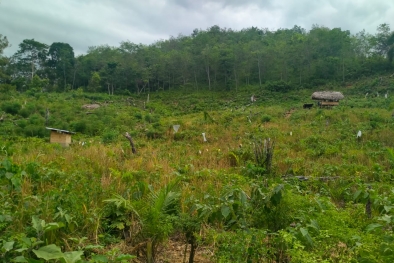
<point x="84" y="23"/>
<point x="223" y="3"/>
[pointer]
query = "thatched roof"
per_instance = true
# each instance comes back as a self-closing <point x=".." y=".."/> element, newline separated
<point x="327" y="95"/>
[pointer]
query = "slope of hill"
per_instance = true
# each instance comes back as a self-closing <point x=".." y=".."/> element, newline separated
<point x="273" y="182"/>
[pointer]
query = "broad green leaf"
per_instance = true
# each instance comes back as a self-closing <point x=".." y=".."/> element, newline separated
<point x="53" y="226"/>
<point x="7" y="246"/>
<point x="278" y="188"/>
<point x="243" y="198"/>
<point x="314" y="225"/>
<point x="37" y="223"/>
<point x="21" y="249"/>
<point x="124" y="257"/>
<point x="388" y="208"/>
<point x="385" y="218"/>
<point x="371" y="227"/>
<point x="94" y="247"/>
<point x="356" y="195"/>
<point x="6" y="164"/>
<point x="306" y="235"/>
<point x="304" y="231"/>
<point x="27" y="241"/>
<point x="37" y="243"/>
<point x="49" y="252"/>
<point x="30" y="260"/>
<point x="118" y="225"/>
<point x="225" y="211"/>
<point x="73" y="256"/>
<point x="19" y="259"/>
<point x="16" y="182"/>
<point x="100" y="258"/>
<point x="68" y="218"/>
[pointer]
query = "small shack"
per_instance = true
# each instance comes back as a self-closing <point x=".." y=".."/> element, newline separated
<point x="62" y="137"/>
<point x="327" y="98"/>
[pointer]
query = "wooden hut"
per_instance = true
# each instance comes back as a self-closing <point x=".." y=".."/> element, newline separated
<point x="62" y="137"/>
<point x="327" y="98"/>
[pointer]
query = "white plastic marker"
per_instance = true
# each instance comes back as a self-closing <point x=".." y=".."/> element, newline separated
<point x="291" y="133"/>
<point x="359" y="134"/>
<point x="386" y="95"/>
<point x="176" y="128"/>
<point x="203" y="135"/>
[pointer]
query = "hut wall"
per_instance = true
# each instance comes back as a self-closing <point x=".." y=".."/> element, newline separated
<point x="329" y="103"/>
<point x="62" y="138"/>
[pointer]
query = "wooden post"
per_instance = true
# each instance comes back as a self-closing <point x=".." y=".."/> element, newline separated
<point x="149" y="251"/>
<point x="128" y="136"/>
<point x="46" y="117"/>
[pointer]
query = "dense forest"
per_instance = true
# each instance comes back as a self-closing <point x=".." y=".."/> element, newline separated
<point x="215" y="59"/>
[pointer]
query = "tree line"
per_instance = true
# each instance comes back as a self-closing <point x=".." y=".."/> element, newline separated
<point x="212" y="59"/>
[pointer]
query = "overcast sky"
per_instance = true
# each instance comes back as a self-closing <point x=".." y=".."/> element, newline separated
<point x="84" y="23"/>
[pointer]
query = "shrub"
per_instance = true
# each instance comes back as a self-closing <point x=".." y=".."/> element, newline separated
<point x="266" y="118"/>
<point x="279" y="86"/>
<point x="152" y="118"/>
<point x="244" y="246"/>
<point x="22" y="123"/>
<point x="36" y="120"/>
<point x="138" y="115"/>
<point x="35" y="131"/>
<point x="26" y="111"/>
<point x="154" y="134"/>
<point x="7" y="88"/>
<point x="109" y="136"/>
<point x="11" y="107"/>
<point x="80" y="126"/>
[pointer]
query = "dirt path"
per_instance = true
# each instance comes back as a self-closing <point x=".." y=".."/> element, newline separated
<point x="289" y="113"/>
<point x="173" y="252"/>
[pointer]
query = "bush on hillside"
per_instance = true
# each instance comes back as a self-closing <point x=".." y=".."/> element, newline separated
<point x="279" y="86"/>
<point x="11" y="107"/>
<point x="109" y="136"/>
<point x="33" y="130"/>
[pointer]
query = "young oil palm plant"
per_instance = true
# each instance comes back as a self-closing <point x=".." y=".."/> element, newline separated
<point x="158" y="216"/>
<point x="148" y="214"/>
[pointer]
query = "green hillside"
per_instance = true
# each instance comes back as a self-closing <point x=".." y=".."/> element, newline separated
<point x="273" y="182"/>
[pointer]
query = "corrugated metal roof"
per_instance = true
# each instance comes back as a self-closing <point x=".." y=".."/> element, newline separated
<point x="59" y="131"/>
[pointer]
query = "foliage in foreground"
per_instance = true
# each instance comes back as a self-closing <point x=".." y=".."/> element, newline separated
<point x="326" y="196"/>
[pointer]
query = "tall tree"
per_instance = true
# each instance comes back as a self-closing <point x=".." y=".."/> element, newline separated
<point x="61" y="64"/>
<point x="381" y="39"/>
<point x="3" y="60"/>
<point x="30" y="57"/>
<point x="390" y="43"/>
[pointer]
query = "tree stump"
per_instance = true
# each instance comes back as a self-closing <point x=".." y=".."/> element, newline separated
<point x="128" y="136"/>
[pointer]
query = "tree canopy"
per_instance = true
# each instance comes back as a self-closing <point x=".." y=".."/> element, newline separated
<point x="215" y="59"/>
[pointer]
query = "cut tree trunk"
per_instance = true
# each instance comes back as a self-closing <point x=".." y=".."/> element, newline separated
<point x="128" y="136"/>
